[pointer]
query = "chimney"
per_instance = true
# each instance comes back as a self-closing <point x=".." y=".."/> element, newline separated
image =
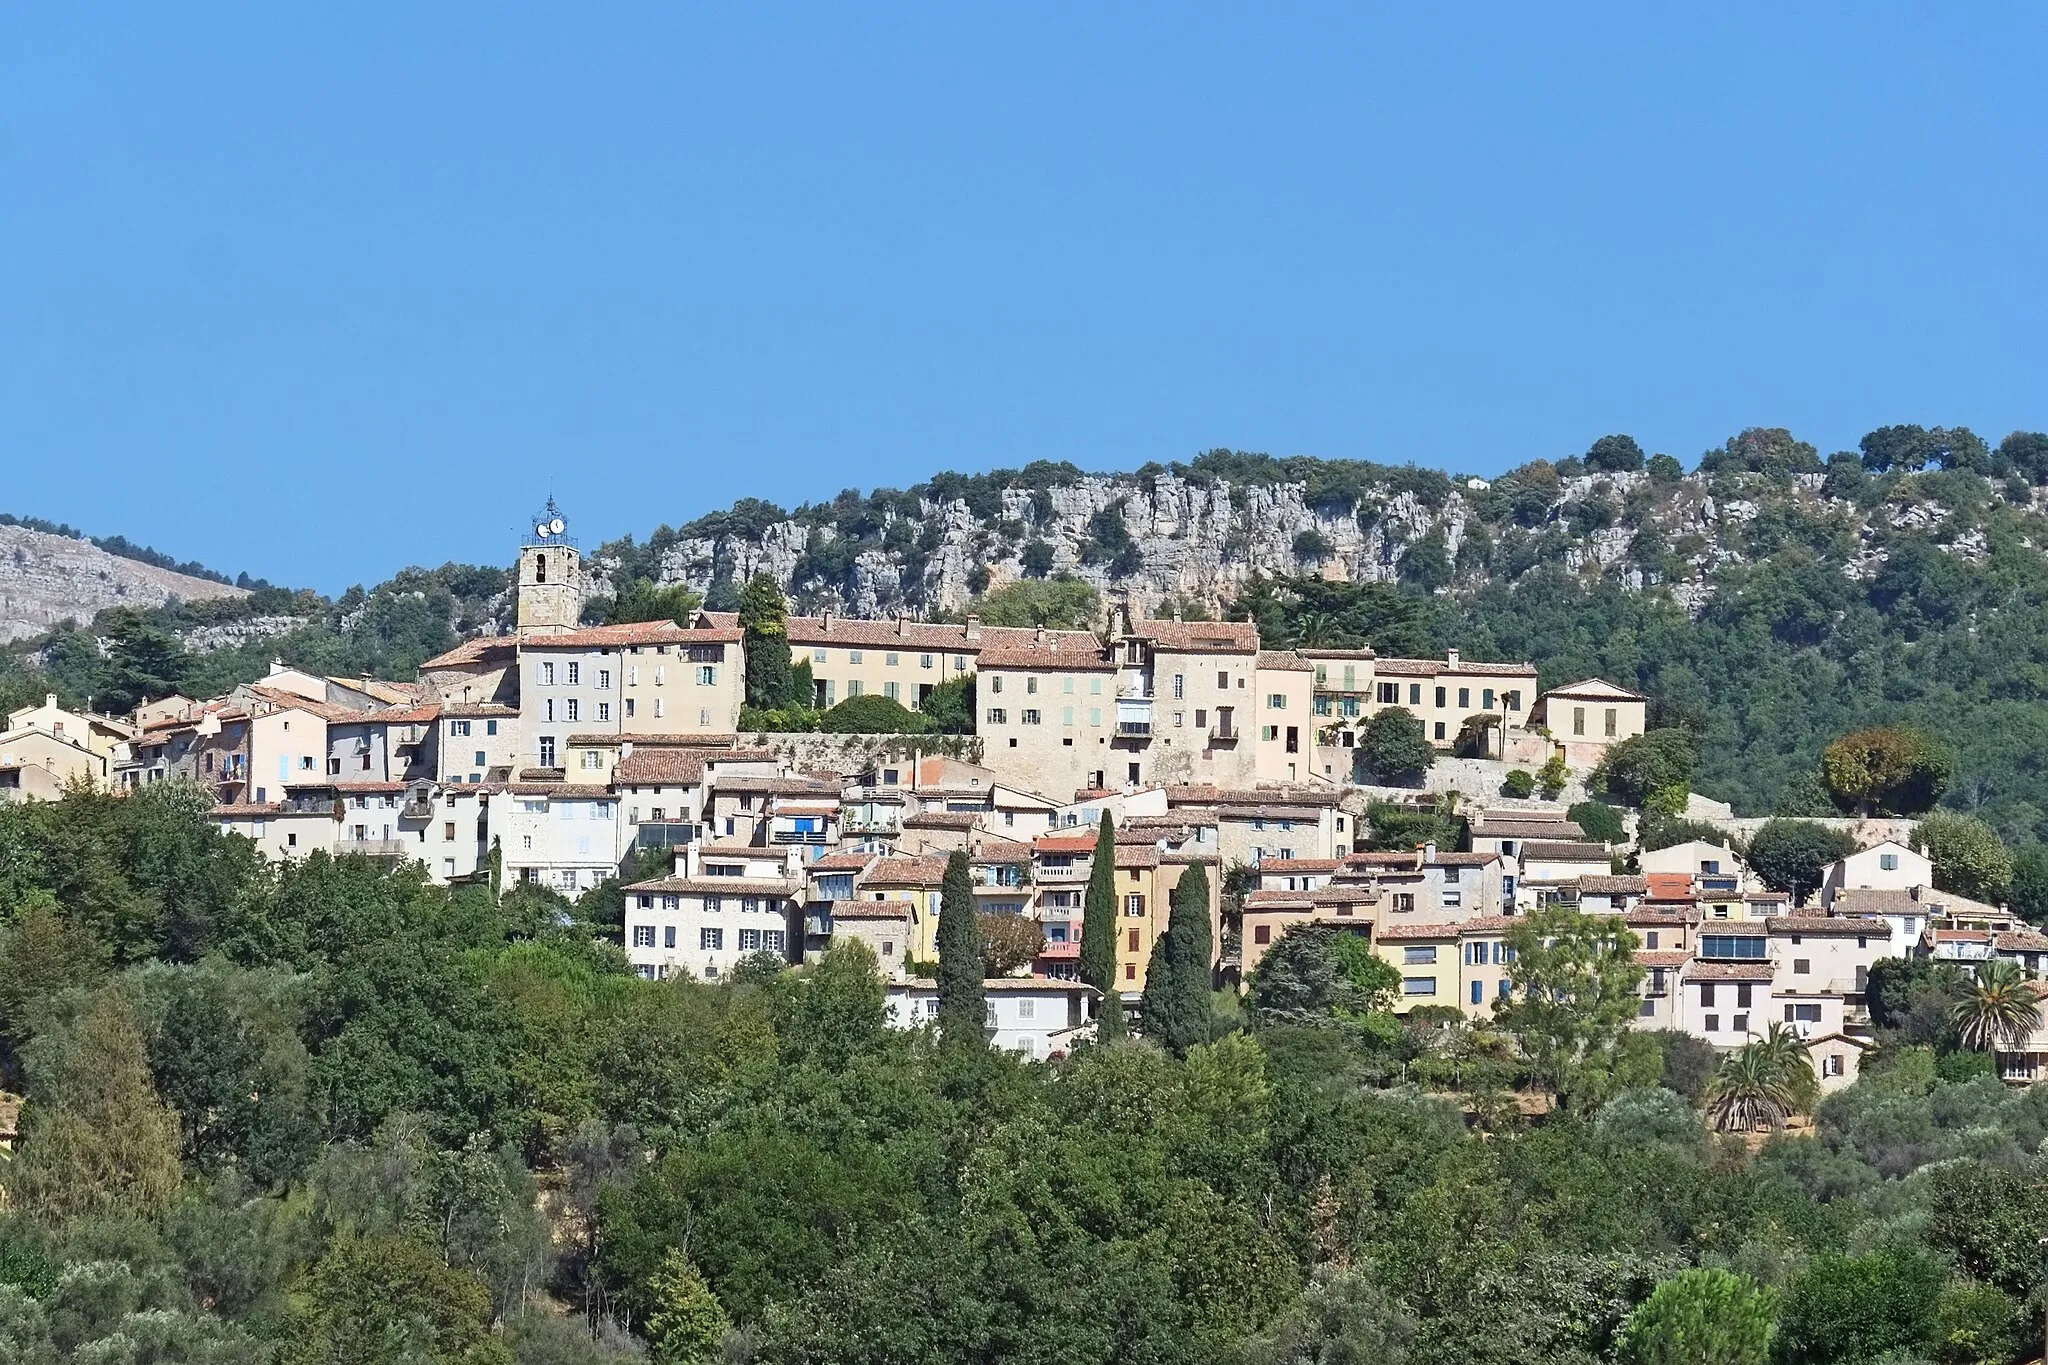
<point x="50" y="700"/>
<point x="1040" y="637"/>
<point x="973" y="629"/>
<point x="825" y="619"/>
<point x="1451" y="658"/>
<point x="902" y="624"/>
<point x="276" y="667"/>
<point x="1429" y="853"/>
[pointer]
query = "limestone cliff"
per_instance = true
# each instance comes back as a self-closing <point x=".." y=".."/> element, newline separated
<point x="47" y="579"/>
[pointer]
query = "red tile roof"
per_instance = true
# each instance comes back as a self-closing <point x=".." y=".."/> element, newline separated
<point x="480" y="649"/>
<point x="906" y="872"/>
<point x="636" y="633"/>
<point x="1199" y="637"/>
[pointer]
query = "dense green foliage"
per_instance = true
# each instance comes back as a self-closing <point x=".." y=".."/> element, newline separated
<point x="331" y="1113"/>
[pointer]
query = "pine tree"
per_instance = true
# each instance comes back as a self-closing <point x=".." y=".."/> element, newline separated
<point x="1098" y="914"/>
<point x="962" y="1008"/>
<point x="1189" y="953"/>
<point x="764" y="618"/>
<point x="688" y="1325"/>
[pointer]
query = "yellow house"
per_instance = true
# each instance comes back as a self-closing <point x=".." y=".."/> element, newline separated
<point x="1464" y="965"/>
<point x="915" y="884"/>
<point x="36" y="765"/>
<point x="98" y="733"/>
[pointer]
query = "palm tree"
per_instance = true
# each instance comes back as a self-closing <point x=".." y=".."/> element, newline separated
<point x="2001" y="1010"/>
<point x="1751" y="1089"/>
<point x="1788" y="1055"/>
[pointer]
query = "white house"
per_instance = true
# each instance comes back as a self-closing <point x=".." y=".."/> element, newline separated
<point x="1716" y="864"/>
<point x="1038" y="1017"/>
<point x="724" y="903"/>
<point x="1888" y="866"/>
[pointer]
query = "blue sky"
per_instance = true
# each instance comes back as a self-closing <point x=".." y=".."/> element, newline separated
<point x="321" y="291"/>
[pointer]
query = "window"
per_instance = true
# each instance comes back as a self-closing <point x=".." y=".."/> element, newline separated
<point x="1732" y="945"/>
<point x="1269" y="732"/>
<point x="643" y="936"/>
<point x="1029" y="716"/>
<point x="447" y="831"/>
<point x="1713" y="1023"/>
<point x="547" y="675"/>
<point x="1486" y="700"/>
<point x="1179" y="686"/>
<point x="1031" y="686"/>
<point x="707" y="675"/>
<point x="1404" y="900"/>
<point x="660" y="676"/>
<point x="1390" y="694"/>
<point x="1802" y="1014"/>
<point x="604" y="680"/>
<point x="1439" y="733"/>
<point x="1578" y="720"/>
<point x="714" y="904"/>
<point x="1095" y="715"/>
<point x="1831" y="1065"/>
<point x="1134" y="904"/>
<point x="1418" y="985"/>
<point x="1650" y="940"/>
<point x="893" y="691"/>
<point x="774" y="941"/>
<point x="575" y="709"/>
<point x="924" y="661"/>
<point x="1066" y="715"/>
<point x="547" y="751"/>
<point x="819" y="656"/>
<point x="1276" y="701"/>
<point x="659" y="707"/>
<point x="1453" y="899"/>
<point x="711" y="939"/>
<point x="996" y="714"/>
<point x="1706" y="994"/>
<point x="1889" y="862"/>
<point x="1442" y="697"/>
<point x="1262" y="933"/>
<point x="668" y="936"/>
<point x="1130" y="971"/>
<point x="1478" y="992"/>
<point x="1464" y="699"/>
<point x="1418" y="955"/>
<point x="1201" y="720"/>
<point x="604" y="710"/>
<point x="548" y="709"/>
<point x="750" y="940"/>
<point x="1740" y="1023"/>
<point x="575" y="674"/>
<point x="1609" y="722"/>
<point x="1801" y="966"/>
<point x="1742" y="997"/>
<point x="458" y="729"/>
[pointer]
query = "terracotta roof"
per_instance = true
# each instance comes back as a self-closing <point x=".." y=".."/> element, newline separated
<point x="1188" y="857"/>
<point x="1670" y="886"/>
<point x="292" y="701"/>
<point x="585" y="790"/>
<point x="464" y="710"/>
<point x="661" y="766"/>
<point x="421" y="714"/>
<point x="1392" y="932"/>
<point x="1001" y="851"/>
<point x="754" y="785"/>
<point x="1325" y="652"/>
<point x="906" y="872"/>
<point x="1137" y="855"/>
<point x="473" y="651"/>
<point x="1613" y="886"/>
<point x="1595" y="689"/>
<point x="636" y="633"/>
<point x="1197" y="795"/>
<point x="347" y="788"/>
<point x="1916" y="901"/>
<point x="1283" y="661"/>
<point x="1461" y="859"/>
<point x="2020" y="941"/>
<point x="943" y="819"/>
<point x="1650" y="913"/>
<point x="1199" y="637"/>
<point x="1050" y="657"/>
<point x="1666" y="957"/>
<point x="901" y="633"/>
<point x="232" y="809"/>
<point x="1276" y="899"/>
<point x="1739" y="928"/>
<point x="1828" y="924"/>
<point x="807" y="808"/>
<point x="841" y="862"/>
<point x="1306" y="814"/>
<point x="1563" y="851"/>
<point x="871" y="909"/>
<point x="1083" y="842"/>
<point x="1527" y="829"/>
<point x="1299" y="865"/>
<point x="1729" y="971"/>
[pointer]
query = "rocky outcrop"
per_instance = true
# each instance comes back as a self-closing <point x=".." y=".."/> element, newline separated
<point x="46" y="580"/>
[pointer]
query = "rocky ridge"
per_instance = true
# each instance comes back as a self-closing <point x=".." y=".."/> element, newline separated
<point x="47" y="579"/>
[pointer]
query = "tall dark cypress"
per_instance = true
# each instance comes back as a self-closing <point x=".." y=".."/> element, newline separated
<point x="962" y="1004"/>
<point x="1098" y="914"/>
<point x="1190" y="952"/>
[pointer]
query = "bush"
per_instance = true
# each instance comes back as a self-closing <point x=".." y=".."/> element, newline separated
<point x="1395" y="747"/>
<point x="1520" y="784"/>
<point x="871" y="714"/>
<point x="1600" y="821"/>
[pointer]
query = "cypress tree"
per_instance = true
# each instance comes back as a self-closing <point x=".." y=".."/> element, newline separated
<point x="1098" y="914"/>
<point x="1110" y="1023"/>
<point x="1158" y="1004"/>
<point x="962" y="1009"/>
<point x="1189" y="952"/>
<point x="764" y="619"/>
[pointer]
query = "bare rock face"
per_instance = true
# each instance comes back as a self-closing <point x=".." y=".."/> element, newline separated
<point x="46" y="580"/>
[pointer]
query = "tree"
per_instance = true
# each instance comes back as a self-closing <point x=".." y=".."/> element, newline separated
<point x="1395" y="747"/>
<point x="1999" y="1011"/>
<point x="1177" y="981"/>
<point x="1751" y="1089"/>
<point x="949" y="710"/>
<point x="764" y="621"/>
<point x="1572" y="998"/>
<point x="645" y="600"/>
<point x="1791" y="855"/>
<point x="387" y="1300"/>
<point x="1599" y="820"/>
<point x="1342" y="1318"/>
<point x="95" y="1140"/>
<point x="1656" y="761"/>
<point x="1552" y="776"/>
<point x="1665" y="471"/>
<point x="1967" y="855"/>
<point x="1519" y="784"/>
<point x="1701" y="1317"/>
<point x="40" y="957"/>
<point x="686" y="1325"/>
<point x="1009" y="941"/>
<point x="963" y="1010"/>
<point x="1615" y="455"/>
<point x="1098" y="913"/>
<point x="1858" y="1308"/>
<point x="1890" y="770"/>
<point x="1056" y="604"/>
<point x="1320" y="974"/>
<point x="2028" y="893"/>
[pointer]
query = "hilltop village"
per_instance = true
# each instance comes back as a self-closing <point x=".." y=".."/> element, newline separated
<point x="572" y="756"/>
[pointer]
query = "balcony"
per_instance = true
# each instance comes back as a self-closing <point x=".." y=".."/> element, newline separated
<point x="419" y="808"/>
<point x="374" y="848"/>
<point x="1134" y="729"/>
<point x="1225" y="732"/>
<point x="799" y="836"/>
<point x="870" y="824"/>
<point x="665" y="833"/>
<point x="1062" y="876"/>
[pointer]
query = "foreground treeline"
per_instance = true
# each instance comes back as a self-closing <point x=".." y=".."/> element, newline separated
<point x="332" y="1114"/>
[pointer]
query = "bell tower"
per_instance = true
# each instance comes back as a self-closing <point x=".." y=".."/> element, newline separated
<point x="550" y="577"/>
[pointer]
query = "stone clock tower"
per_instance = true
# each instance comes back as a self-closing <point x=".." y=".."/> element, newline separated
<point x="550" y="577"/>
